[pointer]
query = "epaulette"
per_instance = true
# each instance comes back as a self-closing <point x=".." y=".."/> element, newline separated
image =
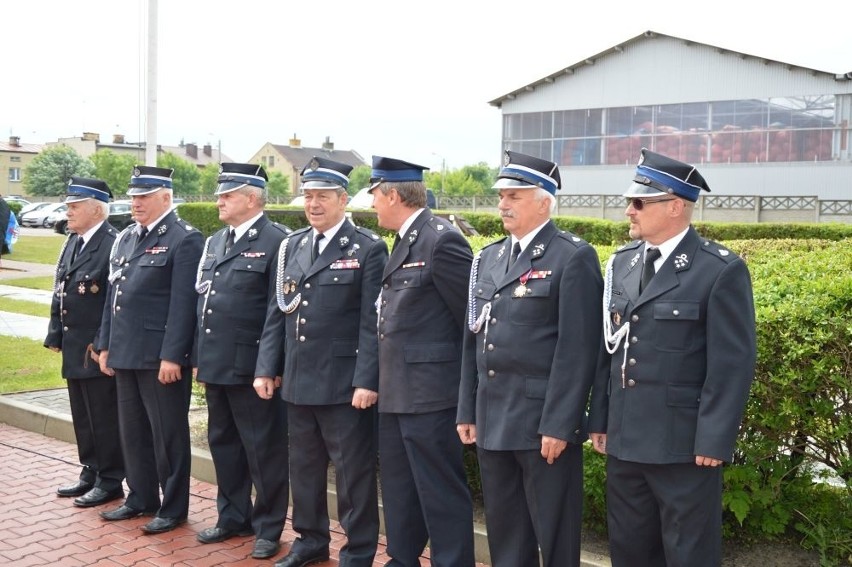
<point x="440" y="224"/>
<point x="501" y="241"/>
<point x="571" y="237"/>
<point x="185" y="225"/>
<point x="367" y="232"/>
<point x="284" y="229"/>
<point x="629" y="246"/>
<point x="304" y="229"/>
<point x="717" y="250"/>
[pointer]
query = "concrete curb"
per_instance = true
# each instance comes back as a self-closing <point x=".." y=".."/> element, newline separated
<point x="58" y="426"/>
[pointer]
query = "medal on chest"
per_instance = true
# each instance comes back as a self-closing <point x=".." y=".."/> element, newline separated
<point x="521" y="289"/>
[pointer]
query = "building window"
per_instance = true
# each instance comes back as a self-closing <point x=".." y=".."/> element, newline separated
<point x="14" y="174"/>
<point x="271" y="161"/>
<point x="787" y="129"/>
<point x="15" y="158"/>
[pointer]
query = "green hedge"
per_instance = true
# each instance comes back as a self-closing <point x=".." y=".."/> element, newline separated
<point x="595" y="231"/>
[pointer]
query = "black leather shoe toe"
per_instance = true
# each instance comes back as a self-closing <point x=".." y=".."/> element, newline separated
<point x="160" y="525"/>
<point x="122" y="513"/>
<point x="300" y="560"/>
<point x="217" y="534"/>
<point x="264" y="548"/>
<point x="77" y="489"/>
<point x="98" y="496"/>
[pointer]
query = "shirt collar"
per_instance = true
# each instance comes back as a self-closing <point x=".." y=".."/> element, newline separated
<point x="241" y="229"/>
<point x="408" y="222"/>
<point x="525" y="241"/>
<point x="667" y="247"/>
<point x="86" y="236"/>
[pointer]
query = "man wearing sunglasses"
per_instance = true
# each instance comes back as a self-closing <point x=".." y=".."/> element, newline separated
<point x="679" y="332"/>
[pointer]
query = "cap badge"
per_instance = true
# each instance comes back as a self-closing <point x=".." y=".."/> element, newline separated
<point x="252" y="232"/>
<point x="681" y="261"/>
<point x="137" y="172"/>
<point x="507" y="159"/>
<point x="344" y="240"/>
<point x="314" y="164"/>
<point x="538" y="250"/>
<point x="162" y="230"/>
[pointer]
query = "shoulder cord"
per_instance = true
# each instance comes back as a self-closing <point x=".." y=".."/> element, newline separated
<point x="474" y="323"/>
<point x="612" y="339"/>
<point x="113" y="271"/>
<point x="202" y="287"/>
<point x="279" y="281"/>
<point x="59" y="287"/>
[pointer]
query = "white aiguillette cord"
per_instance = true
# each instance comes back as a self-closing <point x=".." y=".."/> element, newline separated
<point x="612" y="339"/>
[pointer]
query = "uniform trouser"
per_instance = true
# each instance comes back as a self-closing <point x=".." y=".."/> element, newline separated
<point x="94" y="413"/>
<point x="248" y="442"/>
<point x="667" y="515"/>
<point x="531" y="506"/>
<point x="347" y="437"/>
<point x="425" y="496"/>
<point x="154" y="425"/>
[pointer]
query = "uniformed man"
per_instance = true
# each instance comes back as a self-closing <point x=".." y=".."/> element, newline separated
<point x="329" y="276"/>
<point x="530" y="359"/>
<point x="146" y="340"/>
<point x="680" y="335"/>
<point x="421" y="318"/>
<point x="80" y="289"/>
<point x="247" y="434"/>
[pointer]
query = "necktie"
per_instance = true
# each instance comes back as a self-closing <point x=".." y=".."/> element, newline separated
<point x="516" y="251"/>
<point x="396" y="240"/>
<point x="229" y="242"/>
<point x="316" y="251"/>
<point x="648" y="269"/>
<point x="77" y="248"/>
<point x="142" y="234"/>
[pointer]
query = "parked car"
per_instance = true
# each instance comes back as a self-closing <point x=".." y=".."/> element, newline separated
<point x="56" y="216"/>
<point x="39" y="217"/>
<point x="33" y="207"/>
<point x="120" y="214"/>
<point x="16" y="199"/>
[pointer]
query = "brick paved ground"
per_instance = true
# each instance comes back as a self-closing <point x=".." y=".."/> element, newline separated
<point x="39" y="528"/>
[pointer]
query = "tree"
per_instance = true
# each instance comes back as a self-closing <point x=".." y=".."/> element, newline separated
<point x="278" y="186"/>
<point x="358" y="178"/>
<point x="186" y="179"/>
<point x="469" y="180"/>
<point x="115" y="169"/>
<point x="50" y="171"/>
<point x="209" y="178"/>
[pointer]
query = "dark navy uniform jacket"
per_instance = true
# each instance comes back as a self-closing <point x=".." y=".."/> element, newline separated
<point x="150" y="312"/>
<point x="232" y="307"/>
<point x="422" y="313"/>
<point x="529" y="369"/>
<point x="690" y="360"/>
<point x="329" y="335"/>
<point x="78" y="301"/>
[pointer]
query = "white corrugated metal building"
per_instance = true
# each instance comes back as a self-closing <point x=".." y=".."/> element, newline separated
<point x="752" y="125"/>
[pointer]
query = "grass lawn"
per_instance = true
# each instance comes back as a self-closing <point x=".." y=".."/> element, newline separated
<point x="24" y="307"/>
<point x="33" y="282"/>
<point x="26" y="365"/>
<point x="38" y="249"/>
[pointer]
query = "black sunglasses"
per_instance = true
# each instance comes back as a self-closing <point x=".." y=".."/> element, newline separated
<point x="639" y="204"/>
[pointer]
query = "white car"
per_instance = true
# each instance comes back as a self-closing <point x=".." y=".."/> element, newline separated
<point x="33" y="207"/>
<point x="363" y="199"/>
<point x="40" y="216"/>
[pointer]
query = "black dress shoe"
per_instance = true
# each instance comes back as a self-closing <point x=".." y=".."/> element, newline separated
<point x="297" y="560"/>
<point x="217" y="534"/>
<point x="264" y="548"/>
<point x="123" y="513"/>
<point x="79" y="488"/>
<point x="98" y="496"/>
<point x="161" y="525"/>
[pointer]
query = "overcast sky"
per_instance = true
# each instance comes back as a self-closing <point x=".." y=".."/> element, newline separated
<point x="403" y="79"/>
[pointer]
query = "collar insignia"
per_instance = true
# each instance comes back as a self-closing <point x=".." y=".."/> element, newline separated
<point x="252" y="232"/>
<point x="162" y="230"/>
<point x="344" y="240"/>
<point x="412" y="237"/>
<point x="634" y="259"/>
<point x="538" y="250"/>
<point x="681" y="261"/>
<point x="354" y="249"/>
